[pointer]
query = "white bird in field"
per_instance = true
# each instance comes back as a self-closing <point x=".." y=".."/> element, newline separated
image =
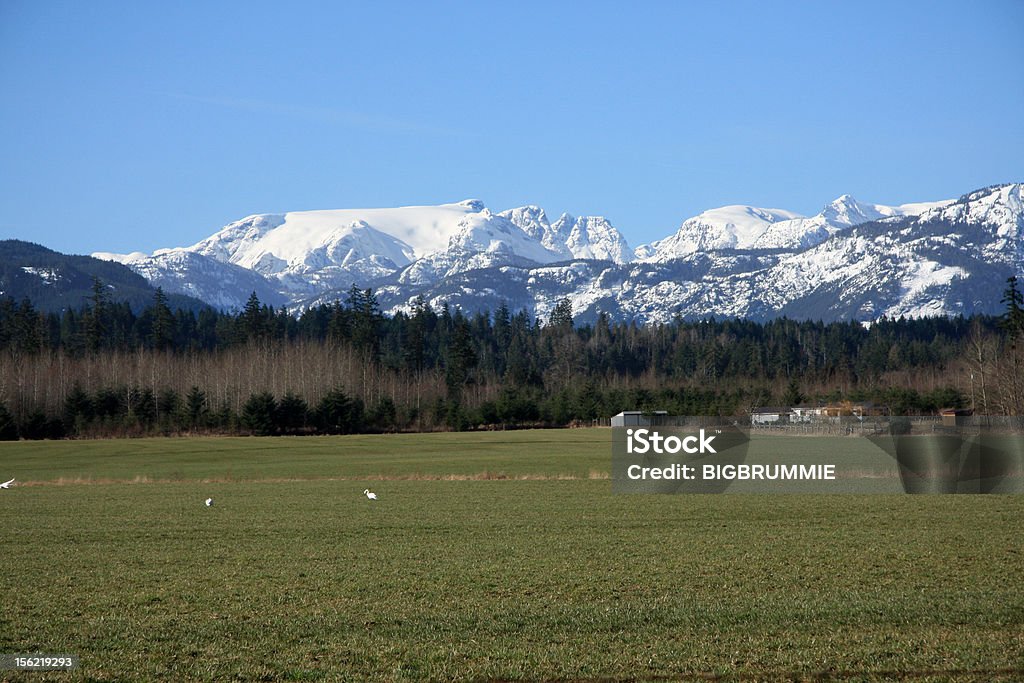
<point x="7" y="484"/>
<point x="209" y="502"/>
<point x="370" y="494"/>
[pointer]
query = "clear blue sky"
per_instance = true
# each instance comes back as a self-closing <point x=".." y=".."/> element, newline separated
<point x="137" y="125"/>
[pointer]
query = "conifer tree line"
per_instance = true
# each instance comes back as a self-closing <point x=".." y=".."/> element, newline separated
<point x="343" y="367"/>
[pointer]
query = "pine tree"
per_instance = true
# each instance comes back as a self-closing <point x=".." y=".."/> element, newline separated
<point x="293" y="413"/>
<point x="339" y="322"/>
<point x="561" y="315"/>
<point x="338" y="414"/>
<point x="462" y="358"/>
<point x="252" y="319"/>
<point x="365" y="320"/>
<point x="162" y="333"/>
<point x="792" y="397"/>
<point x="1013" y="319"/>
<point x="1013" y="322"/>
<point x="27" y="333"/>
<point x="195" y="408"/>
<point x="78" y="409"/>
<point x="259" y="414"/>
<point x="145" y="407"/>
<point x="502" y="327"/>
<point x="96" y="318"/>
<point x="414" y="351"/>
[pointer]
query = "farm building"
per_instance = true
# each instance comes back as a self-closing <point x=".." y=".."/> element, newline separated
<point x="638" y="418"/>
<point x="769" y="416"/>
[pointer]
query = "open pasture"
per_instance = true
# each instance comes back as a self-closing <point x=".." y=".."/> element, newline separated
<point x="498" y="556"/>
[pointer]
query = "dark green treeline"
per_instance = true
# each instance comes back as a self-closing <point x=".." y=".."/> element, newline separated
<point x="344" y="367"/>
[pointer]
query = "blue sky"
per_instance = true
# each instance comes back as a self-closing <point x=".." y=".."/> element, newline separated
<point x="133" y="126"/>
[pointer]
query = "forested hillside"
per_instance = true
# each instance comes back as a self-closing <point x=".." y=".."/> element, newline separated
<point x="342" y="367"/>
<point x="55" y="281"/>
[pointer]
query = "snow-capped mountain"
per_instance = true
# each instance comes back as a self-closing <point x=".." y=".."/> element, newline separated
<point x="307" y="252"/>
<point x="306" y="244"/>
<point x="586" y="237"/>
<point x="852" y="260"/>
<point x="484" y="240"/>
<point x="934" y="258"/>
<point x="534" y="222"/>
<point x="593" y="237"/>
<point x="728" y="227"/>
<point x="220" y="284"/>
<point x="748" y="227"/>
<point x="309" y="255"/>
<point x="999" y="210"/>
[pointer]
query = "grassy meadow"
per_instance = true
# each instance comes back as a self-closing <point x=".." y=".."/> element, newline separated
<point x="489" y="556"/>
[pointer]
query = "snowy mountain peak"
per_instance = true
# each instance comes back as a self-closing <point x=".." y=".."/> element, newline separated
<point x="1008" y="194"/>
<point x="590" y="237"/>
<point x="531" y="219"/>
<point x="484" y="240"/>
<point x="123" y="259"/>
<point x="735" y="226"/>
<point x="593" y="237"/>
<point x="307" y="250"/>
<point x="728" y="227"/>
<point x="1000" y="208"/>
<point x="563" y="226"/>
<point x="225" y="244"/>
<point x="490" y="233"/>
<point x="474" y="205"/>
<point x="847" y="211"/>
<point x="748" y="227"/>
<point x="587" y="237"/>
<point x="218" y="283"/>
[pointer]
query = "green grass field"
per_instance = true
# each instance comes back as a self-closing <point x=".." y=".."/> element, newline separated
<point x="498" y="556"/>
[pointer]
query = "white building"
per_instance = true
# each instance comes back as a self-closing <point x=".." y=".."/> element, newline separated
<point x="769" y="416"/>
<point x="638" y="418"/>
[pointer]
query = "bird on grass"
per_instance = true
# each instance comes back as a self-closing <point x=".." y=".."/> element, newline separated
<point x="209" y="502"/>
<point x="370" y="494"/>
<point x="7" y="484"/>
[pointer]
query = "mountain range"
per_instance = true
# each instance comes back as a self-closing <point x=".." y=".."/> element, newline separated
<point x="852" y="260"/>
